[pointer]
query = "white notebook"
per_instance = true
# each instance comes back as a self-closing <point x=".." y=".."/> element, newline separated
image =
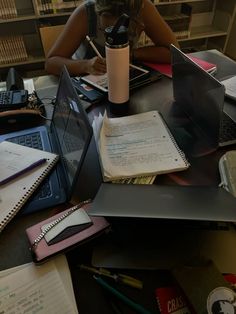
<point x="14" y="194"/>
<point x="137" y="145"/>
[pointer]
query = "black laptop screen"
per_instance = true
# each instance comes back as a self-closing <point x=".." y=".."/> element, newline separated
<point x="72" y="128"/>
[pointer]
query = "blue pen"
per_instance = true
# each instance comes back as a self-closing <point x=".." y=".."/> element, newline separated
<point x="23" y="171"/>
<point x="121" y="296"/>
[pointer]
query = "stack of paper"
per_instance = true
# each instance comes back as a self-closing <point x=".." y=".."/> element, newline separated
<point x="136" y="146"/>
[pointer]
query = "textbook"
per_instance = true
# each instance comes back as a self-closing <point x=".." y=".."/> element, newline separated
<point x="171" y="300"/>
<point x="166" y="69"/>
<point x="136" y="145"/>
<point x="22" y="169"/>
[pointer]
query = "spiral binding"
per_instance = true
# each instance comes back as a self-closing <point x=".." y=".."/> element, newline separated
<point x="181" y="153"/>
<point x="28" y="193"/>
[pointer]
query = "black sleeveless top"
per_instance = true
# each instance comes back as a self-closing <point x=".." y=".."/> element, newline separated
<point x="97" y="35"/>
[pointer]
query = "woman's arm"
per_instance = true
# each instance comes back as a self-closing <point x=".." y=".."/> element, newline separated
<point x="159" y="32"/>
<point x="69" y="40"/>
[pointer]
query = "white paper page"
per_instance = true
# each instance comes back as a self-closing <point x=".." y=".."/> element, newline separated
<point x="35" y="289"/>
<point x="138" y="145"/>
<point x="14" y="158"/>
<point x="29" y="85"/>
<point x="230" y="87"/>
<point x="97" y="124"/>
<point x="61" y="264"/>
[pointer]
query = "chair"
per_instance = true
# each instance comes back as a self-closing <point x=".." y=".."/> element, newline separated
<point x="48" y="36"/>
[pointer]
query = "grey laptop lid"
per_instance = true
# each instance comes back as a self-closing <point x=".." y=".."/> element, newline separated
<point x="201" y="97"/>
<point x="202" y="203"/>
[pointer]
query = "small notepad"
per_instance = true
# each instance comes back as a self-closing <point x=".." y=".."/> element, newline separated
<point x="15" y="193"/>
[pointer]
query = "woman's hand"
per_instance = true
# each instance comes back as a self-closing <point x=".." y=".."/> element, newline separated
<point x="97" y="66"/>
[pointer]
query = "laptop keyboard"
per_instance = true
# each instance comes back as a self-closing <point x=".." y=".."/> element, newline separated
<point x="227" y="131"/>
<point x="34" y="141"/>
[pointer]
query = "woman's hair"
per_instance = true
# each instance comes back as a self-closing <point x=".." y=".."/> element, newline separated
<point x="118" y="7"/>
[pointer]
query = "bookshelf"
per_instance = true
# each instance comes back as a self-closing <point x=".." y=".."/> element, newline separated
<point x="198" y="24"/>
<point x="21" y="45"/>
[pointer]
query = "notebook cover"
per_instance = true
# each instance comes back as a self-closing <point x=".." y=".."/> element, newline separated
<point x="166" y="69"/>
<point x="44" y="251"/>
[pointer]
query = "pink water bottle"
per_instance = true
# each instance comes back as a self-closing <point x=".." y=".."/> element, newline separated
<point x="117" y="60"/>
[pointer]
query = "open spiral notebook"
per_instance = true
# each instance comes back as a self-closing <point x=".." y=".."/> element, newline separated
<point x="15" y="158"/>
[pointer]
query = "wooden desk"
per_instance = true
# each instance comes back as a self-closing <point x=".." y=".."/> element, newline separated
<point x="204" y="170"/>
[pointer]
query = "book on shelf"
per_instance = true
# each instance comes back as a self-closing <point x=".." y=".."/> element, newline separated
<point x="180" y="22"/>
<point x="136" y="146"/>
<point x="43" y="288"/>
<point x="20" y="176"/>
<point x="8" y="9"/>
<point x="12" y="49"/>
<point x="55" y="6"/>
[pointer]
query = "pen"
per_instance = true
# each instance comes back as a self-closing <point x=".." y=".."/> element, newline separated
<point x="139" y="308"/>
<point x="127" y="280"/>
<point x="94" y="47"/>
<point x="23" y="171"/>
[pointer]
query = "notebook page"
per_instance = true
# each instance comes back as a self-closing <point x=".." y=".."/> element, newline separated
<point x="14" y="194"/>
<point x="38" y="289"/>
<point x="138" y="145"/>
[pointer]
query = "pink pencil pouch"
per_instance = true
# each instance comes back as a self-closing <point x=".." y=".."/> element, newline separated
<point x="63" y="231"/>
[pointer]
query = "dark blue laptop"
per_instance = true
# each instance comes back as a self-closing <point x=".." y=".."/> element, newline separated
<point x="68" y="135"/>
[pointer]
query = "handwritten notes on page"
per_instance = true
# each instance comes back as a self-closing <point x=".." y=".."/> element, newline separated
<point x="38" y="289"/>
<point x="22" y="169"/>
<point x="137" y="145"/>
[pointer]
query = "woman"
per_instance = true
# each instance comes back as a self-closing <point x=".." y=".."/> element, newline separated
<point x="91" y="18"/>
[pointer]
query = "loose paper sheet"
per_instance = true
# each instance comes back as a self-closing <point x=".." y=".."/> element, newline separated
<point x="38" y="289"/>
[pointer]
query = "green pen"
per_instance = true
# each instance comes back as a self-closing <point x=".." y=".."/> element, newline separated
<point x="139" y="308"/>
<point x="127" y="280"/>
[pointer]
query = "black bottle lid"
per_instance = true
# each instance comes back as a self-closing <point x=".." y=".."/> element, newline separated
<point x="117" y="35"/>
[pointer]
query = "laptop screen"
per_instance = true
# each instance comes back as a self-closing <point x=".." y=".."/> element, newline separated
<point x="72" y="128"/>
<point x="199" y="95"/>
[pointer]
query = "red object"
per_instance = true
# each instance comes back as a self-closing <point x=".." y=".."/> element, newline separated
<point x="166" y="69"/>
<point x="171" y="300"/>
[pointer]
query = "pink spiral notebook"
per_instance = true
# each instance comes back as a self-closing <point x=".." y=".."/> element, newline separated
<point x="166" y="69"/>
